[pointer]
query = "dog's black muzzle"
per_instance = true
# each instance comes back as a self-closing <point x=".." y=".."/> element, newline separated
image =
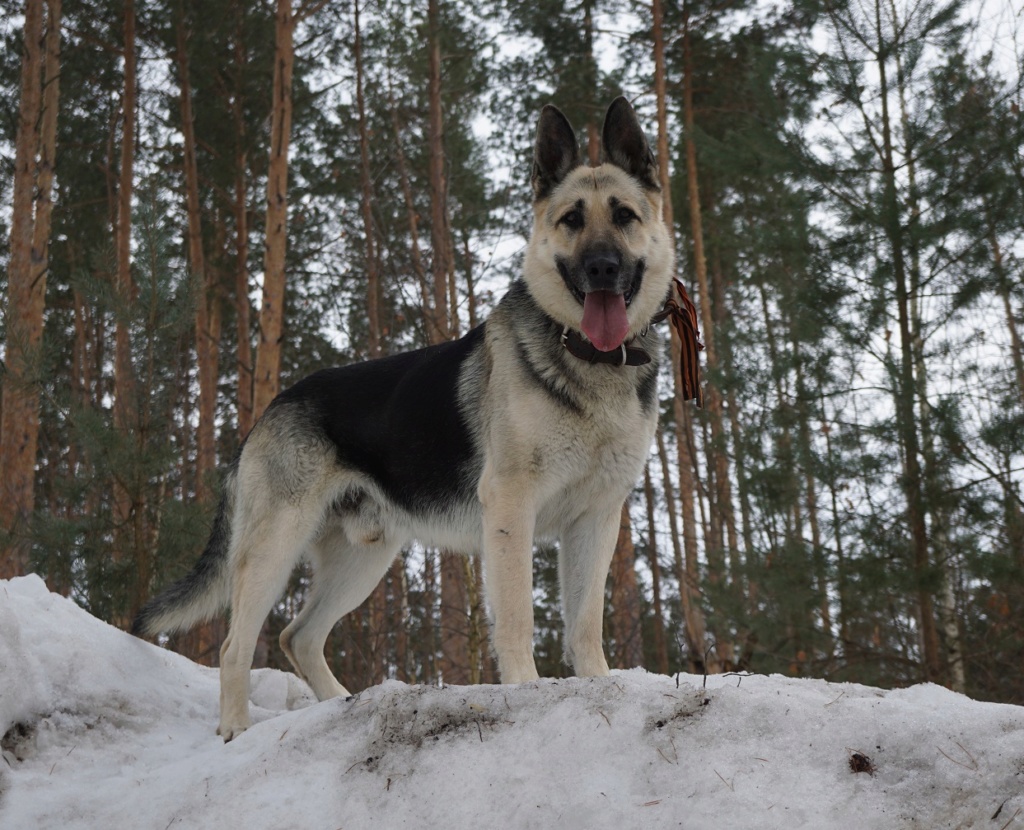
<point x="602" y="270"/>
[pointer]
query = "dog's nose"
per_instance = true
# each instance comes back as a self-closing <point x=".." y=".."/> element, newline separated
<point x="602" y="270"/>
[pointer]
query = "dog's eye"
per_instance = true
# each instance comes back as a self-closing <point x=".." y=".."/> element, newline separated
<point x="573" y="220"/>
<point x="623" y="216"/>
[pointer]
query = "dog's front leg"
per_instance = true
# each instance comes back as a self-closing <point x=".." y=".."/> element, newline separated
<point x="508" y="525"/>
<point x="585" y="555"/>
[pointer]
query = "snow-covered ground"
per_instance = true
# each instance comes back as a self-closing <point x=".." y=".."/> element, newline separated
<point x="106" y="731"/>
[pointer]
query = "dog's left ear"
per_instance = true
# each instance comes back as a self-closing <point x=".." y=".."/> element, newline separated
<point x="624" y="144"/>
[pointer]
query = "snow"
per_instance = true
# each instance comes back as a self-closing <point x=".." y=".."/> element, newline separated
<point x="103" y="730"/>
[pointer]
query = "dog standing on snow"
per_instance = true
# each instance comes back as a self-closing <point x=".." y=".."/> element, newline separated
<point x="535" y="424"/>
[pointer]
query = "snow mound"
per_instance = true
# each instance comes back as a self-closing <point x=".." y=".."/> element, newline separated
<point x="103" y="730"/>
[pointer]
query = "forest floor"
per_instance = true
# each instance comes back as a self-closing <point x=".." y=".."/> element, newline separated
<point x="102" y="730"/>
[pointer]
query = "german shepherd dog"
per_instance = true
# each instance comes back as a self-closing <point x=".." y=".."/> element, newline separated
<point x="535" y="424"/>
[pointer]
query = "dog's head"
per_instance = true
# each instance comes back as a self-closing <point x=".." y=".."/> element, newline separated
<point x="599" y="258"/>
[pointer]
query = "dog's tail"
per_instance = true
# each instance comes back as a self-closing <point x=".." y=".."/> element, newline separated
<point x="206" y="590"/>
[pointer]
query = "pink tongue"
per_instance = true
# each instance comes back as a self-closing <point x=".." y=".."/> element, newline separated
<point x="604" y="319"/>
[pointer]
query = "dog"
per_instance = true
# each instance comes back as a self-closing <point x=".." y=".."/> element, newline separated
<point x="535" y="424"/>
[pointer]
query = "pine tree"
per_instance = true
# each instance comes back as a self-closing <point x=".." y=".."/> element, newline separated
<point x="26" y="279"/>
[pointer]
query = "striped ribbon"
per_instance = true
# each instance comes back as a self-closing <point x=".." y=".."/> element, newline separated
<point x="683" y="315"/>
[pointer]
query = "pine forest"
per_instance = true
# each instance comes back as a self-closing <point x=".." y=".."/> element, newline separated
<point x="203" y="202"/>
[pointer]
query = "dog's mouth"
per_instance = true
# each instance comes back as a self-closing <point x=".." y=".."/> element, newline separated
<point x="605" y="321"/>
<point x="581" y="296"/>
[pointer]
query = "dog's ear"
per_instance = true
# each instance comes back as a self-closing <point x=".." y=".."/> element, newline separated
<point x="624" y="144"/>
<point x="555" y="153"/>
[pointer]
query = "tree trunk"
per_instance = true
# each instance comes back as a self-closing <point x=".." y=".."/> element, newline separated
<point x="751" y="585"/>
<point x="660" y="646"/>
<point x="624" y="614"/>
<point x="935" y="483"/>
<point x="454" y="621"/>
<point x="412" y="217"/>
<point x="206" y="336"/>
<point x="400" y="619"/>
<point x="267" y="381"/>
<point x="904" y="392"/>
<point x="125" y="393"/>
<point x="430" y="667"/>
<point x="591" y="127"/>
<point x="477" y="633"/>
<point x="26" y="282"/>
<point x="366" y="202"/>
<point x="1003" y="289"/>
<point x="818" y="560"/>
<point x="686" y="572"/>
<point x="454" y="609"/>
<point x="719" y="489"/>
<point x="720" y="446"/>
<point x="471" y="301"/>
<point x="687" y="575"/>
<point x="243" y="324"/>
<point x="438" y="185"/>
<point x="837" y="532"/>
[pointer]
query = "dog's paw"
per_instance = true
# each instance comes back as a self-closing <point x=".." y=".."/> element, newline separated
<point x="517" y="669"/>
<point x="230" y="731"/>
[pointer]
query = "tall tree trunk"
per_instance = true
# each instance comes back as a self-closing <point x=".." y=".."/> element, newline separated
<point x="687" y="575"/>
<point x="477" y="631"/>
<point x="471" y="301"/>
<point x="243" y="324"/>
<point x="743" y="492"/>
<point x="366" y="201"/>
<point x="660" y="646"/>
<point x="1003" y="289"/>
<point x="454" y="609"/>
<point x="591" y="127"/>
<point x="206" y="336"/>
<point x="454" y="621"/>
<point x="722" y="480"/>
<point x="430" y="667"/>
<point x="904" y="392"/>
<point x="624" y="615"/>
<point x="267" y="381"/>
<point x="820" y="564"/>
<point x="935" y="482"/>
<point x="400" y="619"/>
<point x="837" y="532"/>
<point x="412" y="216"/>
<point x="686" y="572"/>
<point x="126" y="416"/>
<point x="719" y="489"/>
<point x="438" y="185"/>
<point x="799" y="618"/>
<point x="26" y="281"/>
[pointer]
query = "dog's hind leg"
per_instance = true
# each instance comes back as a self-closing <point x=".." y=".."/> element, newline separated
<point x="265" y="554"/>
<point x="344" y="574"/>
<point x="584" y="557"/>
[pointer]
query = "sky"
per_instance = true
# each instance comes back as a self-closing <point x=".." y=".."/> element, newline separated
<point x="102" y="730"/>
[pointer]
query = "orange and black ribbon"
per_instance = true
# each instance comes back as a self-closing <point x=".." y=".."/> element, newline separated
<point x="682" y="314"/>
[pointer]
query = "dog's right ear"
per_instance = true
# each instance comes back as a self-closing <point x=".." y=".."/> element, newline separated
<point x="555" y="153"/>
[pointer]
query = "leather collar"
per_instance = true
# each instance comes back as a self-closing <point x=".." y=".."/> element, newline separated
<point x="625" y="355"/>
